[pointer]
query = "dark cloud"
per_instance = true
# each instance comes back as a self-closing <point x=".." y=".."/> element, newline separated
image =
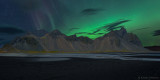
<point x="91" y="11"/>
<point x="156" y="33"/>
<point x="96" y="31"/>
<point x="100" y="33"/>
<point x="91" y="33"/>
<point x="141" y="29"/>
<point x="110" y="27"/>
<point x="10" y="30"/>
<point x="81" y="33"/>
<point x="70" y="30"/>
<point x="113" y="26"/>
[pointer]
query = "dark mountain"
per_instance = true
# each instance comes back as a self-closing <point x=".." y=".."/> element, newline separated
<point x="56" y="41"/>
<point x="81" y="39"/>
<point x="118" y="40"/>
<point x="55" y="34"/>
<point x="28" y="42"/>
<point x="153" y="48"/>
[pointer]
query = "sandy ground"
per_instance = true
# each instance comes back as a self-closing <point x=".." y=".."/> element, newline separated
<point x="78" y="68"/>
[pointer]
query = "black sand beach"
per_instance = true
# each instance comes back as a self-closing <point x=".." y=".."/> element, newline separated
<point x="79" y="69"/>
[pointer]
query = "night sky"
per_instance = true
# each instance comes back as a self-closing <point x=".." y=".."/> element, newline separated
<point x="81" y="17"/>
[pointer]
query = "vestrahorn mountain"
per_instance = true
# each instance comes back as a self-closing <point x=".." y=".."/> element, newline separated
<point x="118" y="40"/>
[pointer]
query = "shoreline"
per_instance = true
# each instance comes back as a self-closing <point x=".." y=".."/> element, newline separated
<point x="79" y="69"/>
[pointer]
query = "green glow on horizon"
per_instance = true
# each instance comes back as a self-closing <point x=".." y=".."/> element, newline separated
<point x="140" y="16"/>
<point x="142" y="13"/>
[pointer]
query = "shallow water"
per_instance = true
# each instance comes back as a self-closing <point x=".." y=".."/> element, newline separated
<point x="64" y="57"/>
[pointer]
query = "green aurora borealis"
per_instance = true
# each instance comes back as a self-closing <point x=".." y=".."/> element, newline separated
<point x="144" y="16"/>
<point x="67" y="14"/>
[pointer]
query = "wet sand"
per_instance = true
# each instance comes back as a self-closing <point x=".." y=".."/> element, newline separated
<point x="79" y="69"/>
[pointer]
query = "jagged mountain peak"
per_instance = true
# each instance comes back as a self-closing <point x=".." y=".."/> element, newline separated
<point x="81" y="39"/>
<point x="117" y="40"/>
<point x="85" y="40"/>
<point x="56" y="33"/>
<point x="27" y="42"/>
<point x="117" y="33"/>
<point x="122" y="32"/>
<point x="123" y="29"/>
<point x="71" y="38"/>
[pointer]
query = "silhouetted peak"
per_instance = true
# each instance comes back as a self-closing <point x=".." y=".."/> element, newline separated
<point x="116" y="33"/>
<point x="56" y="33"/>
<point x="85" y="39"/>
<point x="72" y="38"/>
<point x="123" y="30"/>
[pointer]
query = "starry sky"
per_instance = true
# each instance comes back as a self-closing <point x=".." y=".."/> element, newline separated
<point x="81" y="17"/>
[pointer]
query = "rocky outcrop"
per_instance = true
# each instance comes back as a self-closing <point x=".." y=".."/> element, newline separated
<point x="118" y="40"/>
<point x="55" y="41"/>
<point x="28" y="42"/>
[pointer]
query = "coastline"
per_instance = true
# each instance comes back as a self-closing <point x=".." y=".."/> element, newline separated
<point x="79" y="69"/>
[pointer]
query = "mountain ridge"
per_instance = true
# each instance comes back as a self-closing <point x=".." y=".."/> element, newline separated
<point x="118" y="40"/>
